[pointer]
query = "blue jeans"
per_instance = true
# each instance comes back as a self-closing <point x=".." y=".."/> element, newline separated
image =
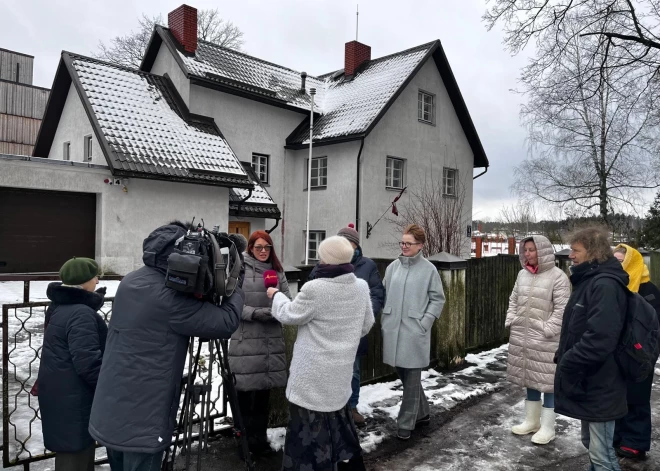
<point x="597" y="438"/>
<point x="355" y="384"/>
<point x="548" y="398"/>
<point x="129" y="461"/>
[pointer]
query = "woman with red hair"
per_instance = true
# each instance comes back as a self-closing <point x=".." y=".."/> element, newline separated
<point x="257" y="351"/>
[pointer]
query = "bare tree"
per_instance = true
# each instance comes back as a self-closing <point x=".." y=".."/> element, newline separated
<point x="517" y="218"/>
<point x="442" y="217"/>
<point x="128" y="50"/>
<point x="592" y="111"/>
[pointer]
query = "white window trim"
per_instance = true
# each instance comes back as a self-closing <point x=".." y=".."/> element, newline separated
<point x="403" y="173"/>
<point x="444" y="182"/>
<point x="318" y="242"/>
<point x="420" y="105"/>
<point x="88" y="142"/>
<point x="257" y="169"/>
<point x="318" y="159"/>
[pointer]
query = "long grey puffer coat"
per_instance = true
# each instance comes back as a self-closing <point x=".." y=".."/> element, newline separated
<point x="257" y="354"/>
<point x="536" y="310"/>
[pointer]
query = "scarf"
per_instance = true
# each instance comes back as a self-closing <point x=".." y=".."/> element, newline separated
<point x="333" y="271"/>
<point x="634" y="265"/>
<point x="532" y="269"/>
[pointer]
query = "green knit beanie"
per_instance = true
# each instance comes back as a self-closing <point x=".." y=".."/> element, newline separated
<point x="78" y="271"/>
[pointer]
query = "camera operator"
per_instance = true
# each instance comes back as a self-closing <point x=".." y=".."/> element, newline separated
<point x="138" y="391"/>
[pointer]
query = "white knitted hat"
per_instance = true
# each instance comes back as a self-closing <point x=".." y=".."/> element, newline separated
<point x="336" y="250"/>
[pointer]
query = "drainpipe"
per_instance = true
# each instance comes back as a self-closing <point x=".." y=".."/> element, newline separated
<point x="249" y="195"/>
<point x="277" y="223"/>
<point x="474" y="178"/>
<point x="357" y="193"/>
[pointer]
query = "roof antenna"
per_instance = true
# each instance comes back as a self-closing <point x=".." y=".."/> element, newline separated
<point x="357" y="20"/>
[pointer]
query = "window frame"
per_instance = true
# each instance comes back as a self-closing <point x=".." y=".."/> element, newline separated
<point x="88" y="152"/>
<point x="66" y="151"/>
<point x="420" y="107"/>
<point x="314" y="233"/>
<point x="445" y="179"/>
<point x="390" y="184"/>
<point x="257" y="166"/>
<point x="318" y="186"/>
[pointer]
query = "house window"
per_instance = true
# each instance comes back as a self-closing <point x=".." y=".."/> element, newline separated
<point x="394" y="173"/>
<point x="66" y="151"/>
<point x="315" y="239"/>
<point x="260" y="166"/>
<point x="449" y="181"/>
<point x="319" y="172"/>
<point x="88" y="147"/>
<point x="426" y="107"/>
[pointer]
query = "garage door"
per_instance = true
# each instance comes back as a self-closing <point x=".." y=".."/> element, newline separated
<point x="40" y="230"/>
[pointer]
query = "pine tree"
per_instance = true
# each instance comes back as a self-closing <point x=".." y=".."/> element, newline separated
<point x="650" y="238"/>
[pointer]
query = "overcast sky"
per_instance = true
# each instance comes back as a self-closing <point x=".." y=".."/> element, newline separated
<point x="310" y="36"/>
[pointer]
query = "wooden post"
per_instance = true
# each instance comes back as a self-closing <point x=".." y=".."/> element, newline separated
<point x="512" y="245"/>
<point x="479" y="247"/>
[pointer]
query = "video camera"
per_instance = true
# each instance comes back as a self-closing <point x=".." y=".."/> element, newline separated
<point x="206" y="264"/>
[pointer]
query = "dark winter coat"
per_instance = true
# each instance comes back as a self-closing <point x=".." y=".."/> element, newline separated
<point x="366" y="269"/>
<point x="138" y="391"/>
<point x="588" y="383"/>
<point x="257" y="353"/>
<point x="70" y="362"/>
<point x="640" y="393"/>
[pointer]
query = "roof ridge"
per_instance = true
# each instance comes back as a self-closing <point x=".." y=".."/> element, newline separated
<point x="234" y="51"/>
<point x="74" y="56"/>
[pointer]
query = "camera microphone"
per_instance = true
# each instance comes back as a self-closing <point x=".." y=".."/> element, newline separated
<point x="270" y="279"/>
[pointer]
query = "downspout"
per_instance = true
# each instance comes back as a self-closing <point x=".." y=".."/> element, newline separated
<point x="357" y="193"/>
<point x="249" y="195"/>
<point x="277" y="223"/>
<point x="474" y="178"/>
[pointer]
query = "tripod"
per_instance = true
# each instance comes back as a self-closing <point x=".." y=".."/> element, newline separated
<point x="194" y="395"/>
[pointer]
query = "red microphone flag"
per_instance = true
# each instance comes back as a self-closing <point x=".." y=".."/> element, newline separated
<point x="270" y="279"/>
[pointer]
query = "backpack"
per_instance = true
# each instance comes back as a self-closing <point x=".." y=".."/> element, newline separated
<point x="639" y="344"/>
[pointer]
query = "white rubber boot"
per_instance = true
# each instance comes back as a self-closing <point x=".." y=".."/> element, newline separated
<point x="532" y="421"/>
<point x="547" y="432"/>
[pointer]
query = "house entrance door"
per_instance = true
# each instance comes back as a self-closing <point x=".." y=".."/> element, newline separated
<point x="240" y="227"/>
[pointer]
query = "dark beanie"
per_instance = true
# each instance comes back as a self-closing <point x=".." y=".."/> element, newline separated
<point x="350" y="234"/>
<point x="78" y="271"/>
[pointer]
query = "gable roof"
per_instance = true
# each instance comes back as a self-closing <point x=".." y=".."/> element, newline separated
<point x="258" y="204"/>
<point x="142" y="125"/>
<point x="345" y="109"/>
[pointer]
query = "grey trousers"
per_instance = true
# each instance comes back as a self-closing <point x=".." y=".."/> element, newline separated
<point x="80" y="461"/>
<point x="414" y="405"/>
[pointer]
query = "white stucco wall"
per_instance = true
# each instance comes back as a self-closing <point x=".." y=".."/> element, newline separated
<point x="166" y="64"/>
<point x="74" y="125"/>
<point x="426" y="149"/>
<point x="250" y="126"/>
<point x="123" y="220"/>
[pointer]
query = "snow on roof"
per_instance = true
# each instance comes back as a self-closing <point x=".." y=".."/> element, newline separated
<point x="146" y="130"/>
<point x="259" y="204"/>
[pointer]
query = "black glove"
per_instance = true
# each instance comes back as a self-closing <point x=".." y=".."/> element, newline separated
<point x="262" y="314"/>
<point x="101" y="291"/>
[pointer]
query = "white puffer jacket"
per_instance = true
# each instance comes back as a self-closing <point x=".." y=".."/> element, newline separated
<point x="536" y="309"/>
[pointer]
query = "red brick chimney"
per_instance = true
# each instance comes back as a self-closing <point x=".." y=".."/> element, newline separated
<point x="183" y="24"/>
<point x="355" y="54"/>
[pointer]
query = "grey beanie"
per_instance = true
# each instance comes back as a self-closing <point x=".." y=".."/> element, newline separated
<point x="336" y="250"/>
<point x="350" y="234"/>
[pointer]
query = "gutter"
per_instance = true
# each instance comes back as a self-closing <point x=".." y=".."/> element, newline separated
<point x="249" y="195"/>
<point x="482" y="173"/>
<point x="357" y="192"/>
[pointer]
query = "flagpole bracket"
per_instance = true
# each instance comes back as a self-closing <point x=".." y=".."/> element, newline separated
<point x="369" y="228"/>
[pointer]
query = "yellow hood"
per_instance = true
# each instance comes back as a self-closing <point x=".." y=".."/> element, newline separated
<point x="634" y="265"/>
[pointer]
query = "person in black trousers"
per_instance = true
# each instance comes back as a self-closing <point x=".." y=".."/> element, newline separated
<point x="632" y="435"/>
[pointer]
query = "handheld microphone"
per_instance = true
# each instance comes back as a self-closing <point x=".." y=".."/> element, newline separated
<point x="270" y="279"/>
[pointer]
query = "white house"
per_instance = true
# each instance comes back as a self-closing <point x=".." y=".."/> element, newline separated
<point x="176" y="130"/>
<point x="380" y="125"/>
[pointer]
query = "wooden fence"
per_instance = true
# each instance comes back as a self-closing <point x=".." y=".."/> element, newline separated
<point x="488" y="285"/>
<point x="655" y="267"/>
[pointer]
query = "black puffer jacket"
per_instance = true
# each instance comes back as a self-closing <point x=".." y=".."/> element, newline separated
<point x="367" y="270"/>
<point x="70" y="362"/>
<point x="138" y="391"/>
<point x="588" y="383"/>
